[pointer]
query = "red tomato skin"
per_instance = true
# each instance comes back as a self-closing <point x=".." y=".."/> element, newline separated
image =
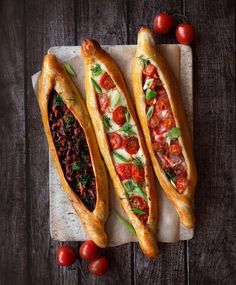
<point x="118" y="115"/>
<point x="162" y="104"/>
<point x="149" y="70"/>
<point x="124" y="170"/>
<point x="138" y="174"/>
<point x="163" y="23"/>
<point x="103" y="102"/>
<point x="131" y="145"/>
<point x="115" y="140"/>
<point x="175" y="149"/>
<point x="89" y="250"/>
<point x="185" y="34"/>
<point x="181" y="184"/>
<point x="98" y="266"/>
<point x="153" y="122"/>
<point x="151" y="102"/>
<point x="106" y="81"/>
<point x="66" y="255"/>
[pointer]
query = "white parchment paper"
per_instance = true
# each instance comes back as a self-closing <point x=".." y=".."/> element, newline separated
<point x="64" y="223"/>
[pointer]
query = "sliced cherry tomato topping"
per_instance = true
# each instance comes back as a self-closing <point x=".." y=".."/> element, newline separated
<point x="138" y="174"/>
<point x="149" y="70"/>
<point x="89" y="250"/>
<point x="158" y="147"/>
<point x="131" y="145"/>
<point x="162" y="104"/>
<point x="169" y="123"/>
<point x="139" y="203"/>
<point x="115" y="140"/>
<point x="103" y="102"/>
<point x="66" y="255"/>
<point x="153" y="122"/>
<point x="99" y="266"/>
<point x="151" y="102"/>
<point x="124" y="170"/>
<point x="180" y="170"/>
<point x="175" y="149"/>
<point x="119" y="115"/>
<point x="155" y="84"/>
<point x="161" y="92"/>
<point x="181" y="184"/>
<point x="106" y="81"/>
<point x="143" y="218"/>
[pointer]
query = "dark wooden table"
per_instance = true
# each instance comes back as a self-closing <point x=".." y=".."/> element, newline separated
<point x="28" y="28"/>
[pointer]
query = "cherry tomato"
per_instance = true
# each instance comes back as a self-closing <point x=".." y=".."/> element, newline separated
<point x="163" y="23"/>
<point x="131" y="145"/>
<point x="151" y="102"/>
<point x="185" y="34"/>
<point x="175" y="149"/>
<point x="66" y="255"/>
<point x="124" y="170"/>
<point x="138" y="174"/>
<point x="161" y="92"/>
<point x="181" y="184"/>
<point x="158" y="147"/>
<point x="106" y="81"/>
<point x="169" y="123"/>
<point x="89" y="250"/>
<point x="115" y="140"/>
<point x="99" y="266"/>
<point x="162" y="104"/>
<point x="103" y="102"/>
<point x="155" y="84"/>
<point x="149" y="70"/>
<point x="138" y="202"/>
<point x="119" y="115"/>
<point x="153" y="122"/>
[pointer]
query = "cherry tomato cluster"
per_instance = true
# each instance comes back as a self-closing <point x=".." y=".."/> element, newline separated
<point x="163" y="24"/>
<point x="98" y="265"/>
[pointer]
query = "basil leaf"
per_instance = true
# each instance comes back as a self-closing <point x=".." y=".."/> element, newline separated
<point x="150" y="94"/>
<point x="119" y="156"/>
<point x="174" y="133"/>
<point x="96" y="86"/>
<point x="126" y="223"/>
<point x="144" y="61"/>
<point x="69" y="69"/>
<point x="127" y="128"/>
<point x="116" y="100"/>
<point x="96" y="69"/>
<point x="150" y="112"/>
<point x="138" y="211"/>
<point x="106" y="123"/>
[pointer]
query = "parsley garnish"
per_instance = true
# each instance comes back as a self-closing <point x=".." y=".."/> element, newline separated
<point x="144" y="61"/>
<point x="68" y="119"/>
<point x="133" y="187"/>
<point x="127" y="128"/>
<point x="57" y="100"/>
<point x="106" y="122"/>
<point x="96" y="69"/>
<point x="76" y="167"/>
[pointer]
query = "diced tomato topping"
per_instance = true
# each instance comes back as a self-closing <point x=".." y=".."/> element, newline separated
<point x="139" y="203"/>
<point x="115" y="140"/>
<point x="162" y="104"/>
<point x="155" y="84"/>
<point x="153" y="122"/>
<point x="131" y="145"/>
<point x="180" y="170"/>
<point x="103" y="102"/>
<point x="169" y="123"/>
<point x="138" y="174"/>
<point x="158" y="147"/>
<point x="149" y="70"/>
<point x="124" y="170"/>
<point x="181" y="184"/>
<point x="161" y="92"/>
<point x="175" y="149"/>
<point x="151" y="102"/>
<point x="119" y="115"/>
<point x="106" y="81"/>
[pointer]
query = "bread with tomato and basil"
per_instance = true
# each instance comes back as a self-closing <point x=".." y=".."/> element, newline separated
<point x="121" y="143"/>
<point x="74" y="148"/>
<point x="164" y="124"/>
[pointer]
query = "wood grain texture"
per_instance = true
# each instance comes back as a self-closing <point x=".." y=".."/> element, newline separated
<point x="49" y="23"/>
<point x="110" y="30"/>
<point x="212" y="252"/>
<point x="13" y="235"/>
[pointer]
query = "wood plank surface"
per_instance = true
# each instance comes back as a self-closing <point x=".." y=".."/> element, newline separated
<point x="13" y="207"/>
<point x="212" y="252"/>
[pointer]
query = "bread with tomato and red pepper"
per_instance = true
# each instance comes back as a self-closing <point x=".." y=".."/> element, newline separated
<point x="74" y="148"/>
<point x="121" y="143"/>
<point x="164" y="124"/>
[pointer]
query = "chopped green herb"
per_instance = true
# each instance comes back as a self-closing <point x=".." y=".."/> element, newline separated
<point x="144" y="61"/>
<point x="58" y="143"/>
<point x="126" y="223"/>
<point x="96" y="69"/>
<point x="119" y="156"/>
<point x="150" y="94"/>
<point x="57" y="100"/>
<point x="106" y="122"/>
<point x="174" y="133"/>
<point x="69" y="69"/>
<point x="116" y="100"/>
<point x="68" y="119"/>
<point x="96" y="86"/>
<point x="170" y="175"/>
<point x="133" y="187"/>
<point x="138" y="211"/>
<point x="76" y="167"/>
<point x="150" y="112"/>
<point x="127" y="128"/>
<point x="127" y="116"/>
<point x="138" y="162"/>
